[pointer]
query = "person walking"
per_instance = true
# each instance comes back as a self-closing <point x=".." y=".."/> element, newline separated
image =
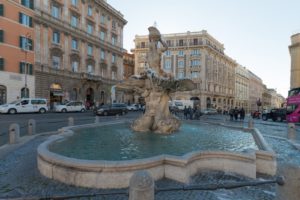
<point x="242" y="114"/>
<point x="235" y="113"/>
<point x="231" y="111"/>
<point x="185" y="112"/>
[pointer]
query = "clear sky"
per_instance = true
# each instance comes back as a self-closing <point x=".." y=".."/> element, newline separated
<point x="255" y="33"/>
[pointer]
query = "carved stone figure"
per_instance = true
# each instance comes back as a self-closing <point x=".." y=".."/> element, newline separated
<point x="156" y="86"/>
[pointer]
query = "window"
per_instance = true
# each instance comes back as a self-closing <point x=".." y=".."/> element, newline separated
<point x="195" y="74"/>
<point x="103" y="72"/>
<point x="113" y="24"/>
<point x="90" y="28"/>
<point x="102" y="19"/>
<point x="55" y="11"/>
<point x="143" y="45"/>
<point x="28" y="3"/>
<point x="169" y="43"/>
<point x="25" y="19"/>
<point x="90" y="50"/>
<point x="74" y="44"/>
<point x="1" y="36"/>
<point x="180" y="53"/>
<point x="102" y="54"/>
<point x="26" y="43"/>
<point x="74" y="3"/>
<point x="195" y="52"/>
<point x="113" y="58"/>
<point x="180" y="75"/>
<point x="195" y="41"/>
<point x="24" y="94"/>
<point x="195" y="62"/>
<point x="1" y="64"/>
<point x="114" y="40"/>
<point x="180" y="42"/>
<point x="56" y="62"/>
<point x="180" y="64"/>
<point x="168" y="53"/>
<point x="2" y="94"/>
<point x="113" y="75"/>
<point x="26" y="68"/>
<point x="56" y="37"/>
<point x="74" y="21"/>
<point x="167" y="64"/>
<point x="102" y="35"/>
<point x="90" y="69"/>
<point x="75" y="65"/>
<point x="1" y="10"/>
<point x="90" y="11"/>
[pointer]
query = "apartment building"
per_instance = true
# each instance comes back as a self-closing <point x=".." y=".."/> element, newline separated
<point x="16" y="50"/>
<point x="199" y="57"/>
<point x="78" y="50"/>
<point x="255" y="92"/>
<point x="242" y="88"/>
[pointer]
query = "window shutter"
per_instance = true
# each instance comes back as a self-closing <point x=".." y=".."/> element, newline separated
<point x="1" y="10"/>
<point x="30" y="21"/>
<point x="1" y="64"/>
<point x="30" y="69"/>
<point x="30" y="44"/>
<point x="1" y="36"/>
<point x="20" y="17"/>
<point x="20" y="42"/>
<point x="31" y="4"/>
<point x="21" y="68"/>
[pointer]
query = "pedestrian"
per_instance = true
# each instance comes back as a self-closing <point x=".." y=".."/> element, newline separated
<point x="185" y="112"/>
<point x="231" y="111"/>
<point x="190" y="112"/>
<point x="235" y="113"/>
<point x="242" y="114"/>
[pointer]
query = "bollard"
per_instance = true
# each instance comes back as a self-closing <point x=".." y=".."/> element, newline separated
<point x="290" y="189"/>
<point x="291" y="131"/>
<point x="141" y="186"/>
<point x="96" y="119"/>
<point x="250" y="123"/>
<point x="14" y="133"/>
<point x="31" y="127"/>
<point x="70" y="121"/>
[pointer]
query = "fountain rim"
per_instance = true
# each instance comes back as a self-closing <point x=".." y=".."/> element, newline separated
<point x="116" y="174"/>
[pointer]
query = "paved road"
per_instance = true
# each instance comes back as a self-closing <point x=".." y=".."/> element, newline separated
<point x="50" y="121"/>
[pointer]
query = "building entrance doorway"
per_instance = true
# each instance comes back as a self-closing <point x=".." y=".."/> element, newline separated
<point x="56" y="95"/>
<point x="89" y="102"/>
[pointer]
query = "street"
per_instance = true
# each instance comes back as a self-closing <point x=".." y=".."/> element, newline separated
<point x="50" y="121"/>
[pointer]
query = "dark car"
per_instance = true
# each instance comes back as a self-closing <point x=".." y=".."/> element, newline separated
<point x="276" y="114"/>
<point x="113" y="109"/>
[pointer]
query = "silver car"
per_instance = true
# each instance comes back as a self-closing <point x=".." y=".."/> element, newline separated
<point x="73" y="106"/>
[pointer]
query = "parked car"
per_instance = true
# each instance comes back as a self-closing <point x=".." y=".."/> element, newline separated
<point x="209" y="111"/>
<point x="113" y="109"/>
<point x="276" y="114"/>
<point x="25" y="105"/>
<point x="72" y="106"/>
<point x="133" y="107"/>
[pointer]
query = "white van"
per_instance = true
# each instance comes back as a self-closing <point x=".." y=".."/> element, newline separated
<point x="180" y="104"/>
<point x="25" y="105"/>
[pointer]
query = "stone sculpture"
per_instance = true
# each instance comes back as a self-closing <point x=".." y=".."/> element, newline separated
<point x="155" y="86"/>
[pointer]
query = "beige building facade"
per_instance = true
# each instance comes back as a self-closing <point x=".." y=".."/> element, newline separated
<point x="295" y="61"/>
<point x="199" y="57"/>
<point x="255" y="92"/>
<point x="242" y="88"/>
<point x="266" y="98"/>
<point x="78" y="50"/>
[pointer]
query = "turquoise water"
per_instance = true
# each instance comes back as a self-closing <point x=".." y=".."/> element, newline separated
<point x="118" y="142"/>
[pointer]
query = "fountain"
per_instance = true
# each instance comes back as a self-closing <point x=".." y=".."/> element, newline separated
<point x="155" y="86"/>
<point x="107" y="154"/>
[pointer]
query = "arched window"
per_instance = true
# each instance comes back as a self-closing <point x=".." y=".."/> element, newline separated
<point x="25" y="93"/>
<point x="2" y="94"/>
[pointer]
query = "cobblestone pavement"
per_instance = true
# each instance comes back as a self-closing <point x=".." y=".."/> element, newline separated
<point x="19" y="176"/>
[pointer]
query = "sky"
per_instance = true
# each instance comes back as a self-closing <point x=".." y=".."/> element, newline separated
<point x="255" y="33"/>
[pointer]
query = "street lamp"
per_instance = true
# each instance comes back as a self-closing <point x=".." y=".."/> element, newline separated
<point x="25" y="49"/>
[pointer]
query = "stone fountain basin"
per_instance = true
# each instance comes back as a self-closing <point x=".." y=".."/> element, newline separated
<point x="116" y="174"/>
